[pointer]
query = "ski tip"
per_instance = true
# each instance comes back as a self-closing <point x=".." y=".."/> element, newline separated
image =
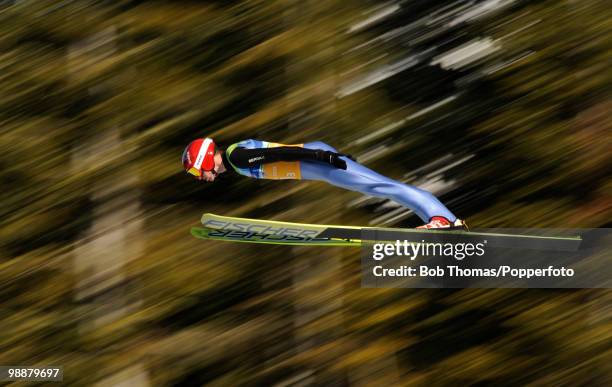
<point x="197" y="231"/>
<point x="207" y="215"/>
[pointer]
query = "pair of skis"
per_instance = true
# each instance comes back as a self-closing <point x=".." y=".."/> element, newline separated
<point x="226" y="228"/>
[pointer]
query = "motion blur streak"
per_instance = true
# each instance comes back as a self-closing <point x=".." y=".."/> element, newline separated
<point x="501" y="108"/>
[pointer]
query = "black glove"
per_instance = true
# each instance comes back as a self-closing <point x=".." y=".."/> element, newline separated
<point x="331" y="158"/>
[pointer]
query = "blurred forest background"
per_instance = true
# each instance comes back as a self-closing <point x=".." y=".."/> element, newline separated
<point x="499" y="107"/>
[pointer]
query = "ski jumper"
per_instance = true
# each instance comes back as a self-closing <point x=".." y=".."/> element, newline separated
<point x="267" y="160"/>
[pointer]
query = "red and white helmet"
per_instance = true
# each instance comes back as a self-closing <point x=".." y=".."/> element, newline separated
<point x="199" y="156"/>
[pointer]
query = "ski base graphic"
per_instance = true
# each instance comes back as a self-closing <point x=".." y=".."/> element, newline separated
<point x="253" y="237"/>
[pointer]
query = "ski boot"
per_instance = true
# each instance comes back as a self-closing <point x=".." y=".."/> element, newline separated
<point x="440" y="222"/>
